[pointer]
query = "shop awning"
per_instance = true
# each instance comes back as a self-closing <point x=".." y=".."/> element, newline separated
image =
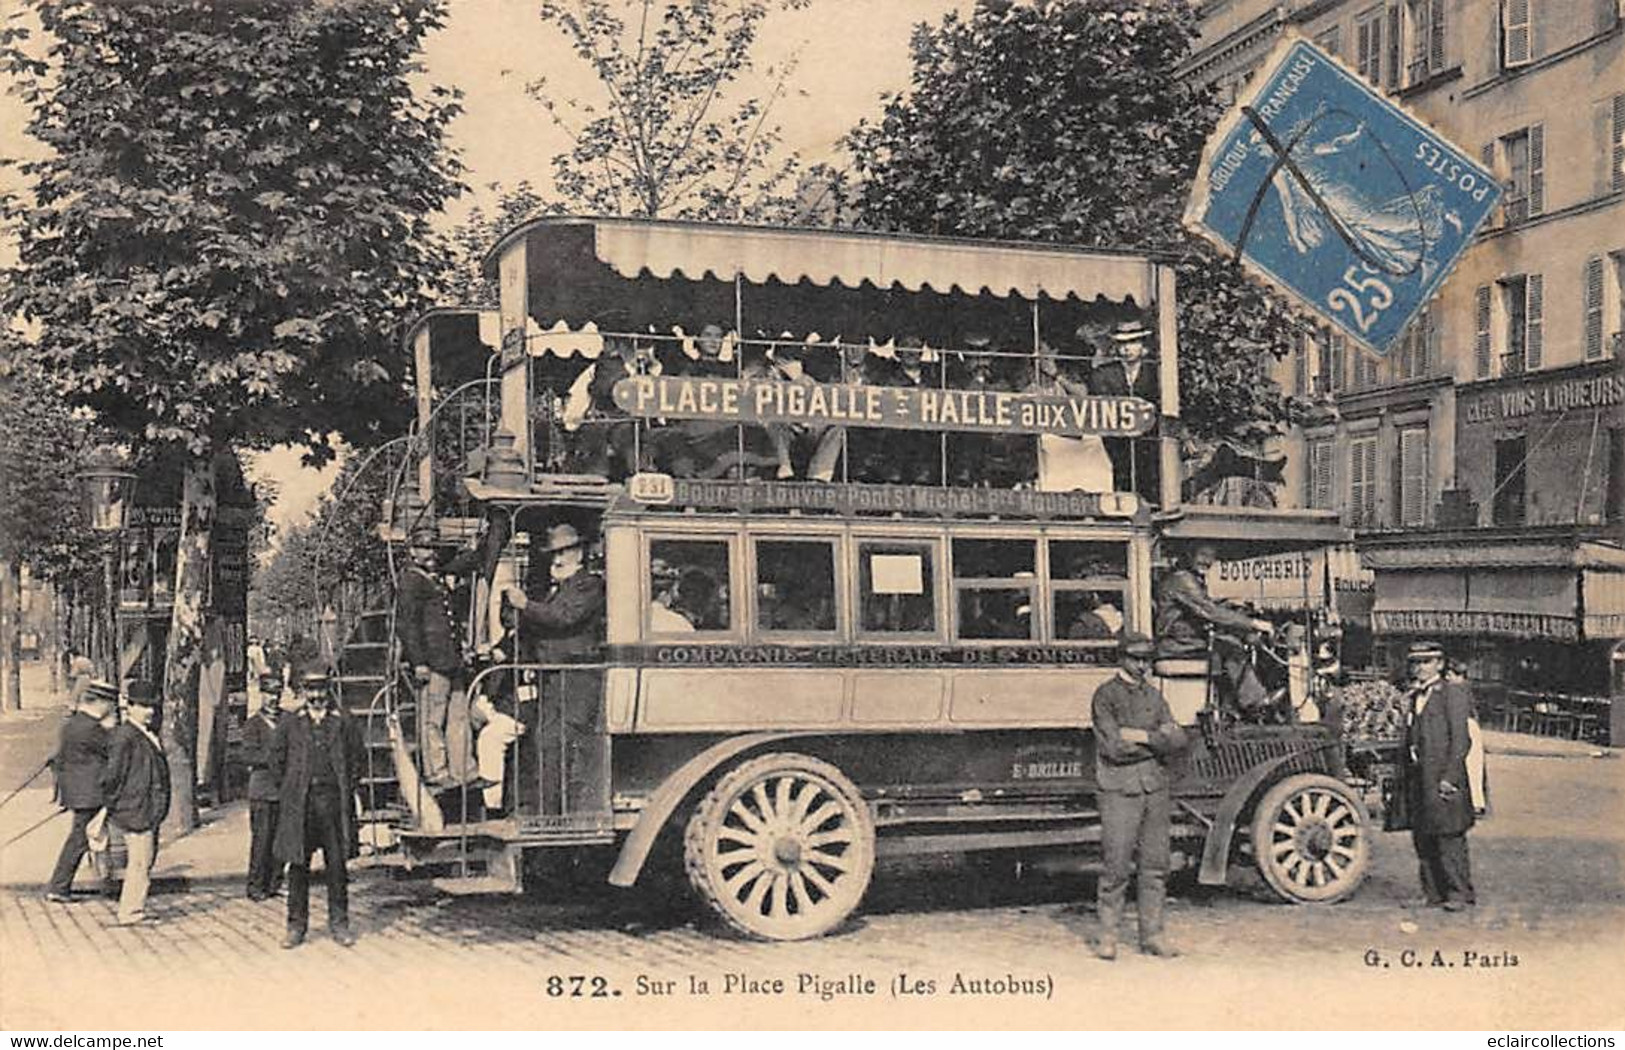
<point x="1245" y="532"/>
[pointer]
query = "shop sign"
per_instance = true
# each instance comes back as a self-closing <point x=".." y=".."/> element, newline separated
<point x="1500" y="624"/>
<point x="1528" y="399"/>
<point x="847" y="499"/>
<point x="1291" y="580"/>
<point x="900" y="408"/>
<point x="1338" y="197"/>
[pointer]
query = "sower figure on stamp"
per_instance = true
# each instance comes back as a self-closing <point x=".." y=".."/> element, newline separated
<point x="1436" y="787"/>
<point x="1136" y="740"/>
<point x="136" y="785"/>
<point x="315" y="758"/>
<point x="81" y="758"/>
<point x="259" y="732"/>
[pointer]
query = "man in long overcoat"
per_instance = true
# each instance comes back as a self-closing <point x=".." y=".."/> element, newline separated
<point x="81" y="758"/>
<point x="136" y="786"/>
<point x="315" y="758"/>
<point x="1435" y="779"/>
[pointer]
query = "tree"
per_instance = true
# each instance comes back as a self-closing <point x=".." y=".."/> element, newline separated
<point x="473" y="237"/>
<point x="231" y="226"/>
<point x="1066" y="121"/>
<point x="668" y="139"/>
<point x="40" y="525"/>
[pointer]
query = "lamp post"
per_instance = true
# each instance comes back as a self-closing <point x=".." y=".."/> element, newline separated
<point x="105" y="486"/>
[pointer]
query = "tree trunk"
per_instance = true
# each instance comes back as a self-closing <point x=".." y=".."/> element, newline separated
<point x="11" y="617"/>
<point x="53" y="639"/>
<point x="184" y="652"/>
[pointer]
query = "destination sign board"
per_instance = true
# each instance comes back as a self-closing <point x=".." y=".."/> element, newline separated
<point x="661" y="489"/>
<point x="1338" y="197"/>
<point x="900" y="408"/>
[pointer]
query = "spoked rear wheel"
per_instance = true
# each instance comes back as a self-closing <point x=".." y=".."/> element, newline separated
<point x="782" y="848"/>
<point x="1312" y="839"/>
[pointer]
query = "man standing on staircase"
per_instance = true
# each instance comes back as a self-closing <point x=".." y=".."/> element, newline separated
<point x="426" y="627"/>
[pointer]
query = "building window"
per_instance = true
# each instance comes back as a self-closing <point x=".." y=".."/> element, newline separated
<point x="1330" y="348"/>
<point x="1362" y="512"/>
<point x="1318" y="480"/>
<point x="1418" y="347"/>
<point x="1507" y="504"/>
<point x="1523" y="154"/>
<point x="1517" y="33"/>
<point x="1330" y="40"/>
<point x="1425" y="27"/>
<point x="1368" y="44"/>
<point x="1614" y="493"/>
<point x="1412" y="476"/>
<point x="1522" y="309"/>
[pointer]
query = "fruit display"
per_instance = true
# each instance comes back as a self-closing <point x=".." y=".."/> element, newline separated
<point x="1372" y="709"/>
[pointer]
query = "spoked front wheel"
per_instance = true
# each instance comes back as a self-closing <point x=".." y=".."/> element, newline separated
<point x="782" y="848"/>
<point x="1312" y="839"/>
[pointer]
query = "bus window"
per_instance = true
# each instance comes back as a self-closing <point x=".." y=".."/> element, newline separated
<point x="688" y="585"/>
<point x="896" y="588"/>
<point x="995" y="589"/>
<point x="795" y="585"/>
<point x="1089" y="587"/>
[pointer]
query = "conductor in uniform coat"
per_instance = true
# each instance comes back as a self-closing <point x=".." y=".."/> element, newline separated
<point x="315" y="758"/>
<point x="1436" y="789"/>
<point x="259" y="732"/>
<point x="1136" y="741"/>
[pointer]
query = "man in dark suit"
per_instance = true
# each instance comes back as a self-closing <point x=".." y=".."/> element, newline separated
<point x="315" y="758"/>
<point x="136" y="785"/>
<point x="1130" y="372"/>
<point x="429" y="643"/>
<point x="264" y="873"/>
<point x="1136" y="740"/>
<point x="81" y="758"/>
<point x="566" y="626"/>
<point x="1437" y="790"/>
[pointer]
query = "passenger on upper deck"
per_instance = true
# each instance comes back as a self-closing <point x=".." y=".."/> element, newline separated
<point x="906" y="457"/>
<point x="789" y="366"/>
<point x="1127" y="372"/>
<point x="1067" y="464"/>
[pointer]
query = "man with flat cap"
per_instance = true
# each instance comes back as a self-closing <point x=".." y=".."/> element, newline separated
<point x="1136" y="742"/>
<point x="136" y="786"/>
<point x="264" y="872"/>
<point x="315" y="758"/>
<point x="81" y="758"/>
<point x="1436" y="789"/>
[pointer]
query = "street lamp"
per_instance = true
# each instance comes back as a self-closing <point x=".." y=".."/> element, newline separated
<point x="105" y="485"/>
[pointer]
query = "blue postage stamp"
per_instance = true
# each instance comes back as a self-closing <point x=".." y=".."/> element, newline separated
<point x="1338" y="197"/>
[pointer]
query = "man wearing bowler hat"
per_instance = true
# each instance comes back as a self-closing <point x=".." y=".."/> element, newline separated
<point x="1436" y="788"/>
<point x="81" y="758"/>
<point x="1136" y="741"/>
<point x="136" y="785"/>
<point x="315" y="758"/>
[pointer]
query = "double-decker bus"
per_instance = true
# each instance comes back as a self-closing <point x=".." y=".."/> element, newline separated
<point x="856" y="596"/>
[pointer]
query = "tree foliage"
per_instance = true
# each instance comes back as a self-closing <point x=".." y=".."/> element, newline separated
<point x="41" y="444"/>
<point x="1064" y="120"/>
<point x="676" y="133"/>
<point x="466" y="285"/>
<point x="233" y="218"/>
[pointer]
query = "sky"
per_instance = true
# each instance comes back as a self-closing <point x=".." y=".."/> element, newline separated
<point x="850" y="53"/>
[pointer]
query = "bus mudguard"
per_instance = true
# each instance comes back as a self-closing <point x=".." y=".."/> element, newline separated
<point x="664" y="802"/>
<point x="1216" y="847"/>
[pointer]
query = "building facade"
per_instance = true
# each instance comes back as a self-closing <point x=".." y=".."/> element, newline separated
<point x="1494" y="431"/>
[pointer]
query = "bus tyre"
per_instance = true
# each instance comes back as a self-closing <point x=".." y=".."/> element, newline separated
<point x="782" y="848"/>
<point x="1311" y="839"/>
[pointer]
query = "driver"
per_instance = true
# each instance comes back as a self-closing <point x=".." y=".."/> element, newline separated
<point x="1186" y="614"/>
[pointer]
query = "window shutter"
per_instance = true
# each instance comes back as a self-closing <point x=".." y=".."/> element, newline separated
<point x="1395" y="21"/>
<point x="1339" y="345"/>
<point x="1515" y="32"/>
<point x="1533" y="296"/>
<point x="1430" y="344"/>
<point x="1486" y="156"/>
<point x="1436" y="37"/>
<point x="1300" y="364"/>
<point x="1318" y="482"/>
<point x="1368" y="48"/>
<point x="1481" y="338"/>
<point x="1591" y="287"/>
<point x="1413" y="475"/>
<point x="1362" y="480"/>
<point x="1619" y="143"/>
<point x="1537" y="169"/>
